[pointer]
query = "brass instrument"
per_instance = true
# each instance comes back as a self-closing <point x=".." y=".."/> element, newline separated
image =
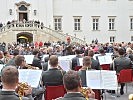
<point x="31" y="67"/>
<point x="21" y="87"/>
<point x="130" y="97"/>
<point x="84" y="91"/>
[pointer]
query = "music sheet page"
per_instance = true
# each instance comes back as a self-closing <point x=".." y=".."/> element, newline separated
<point x="93" y="79"/>
<point x="109" y="80"/>
<point x="32" y="77"/>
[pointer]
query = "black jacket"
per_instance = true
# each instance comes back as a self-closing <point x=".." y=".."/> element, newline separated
<point x="11" y="95"/>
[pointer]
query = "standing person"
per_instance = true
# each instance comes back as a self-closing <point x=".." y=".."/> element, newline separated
<point x="10" y="80"/>
<point x="72" y="84"/>
<point x="96" y="41"/>
<point x="120" y="63"/>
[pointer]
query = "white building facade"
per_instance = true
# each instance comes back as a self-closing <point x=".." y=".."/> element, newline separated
<point x="105" y="20"/>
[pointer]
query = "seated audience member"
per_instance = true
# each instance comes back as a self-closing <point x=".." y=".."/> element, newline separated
<point x="7" y="57"/>
<point x="53" y="76"/>
<point x="10" y="80"/>
<point x="75" y="60"/>
<point x="36" y="61"/>
<point x="94" y="63"/>
<point x="120" y="63"/>
<point x="72" y="84"/>
<point x="129" y="53"/>
<point x="1" y="57"/>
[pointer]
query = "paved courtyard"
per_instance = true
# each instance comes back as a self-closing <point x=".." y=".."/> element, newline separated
<point x="108" y="96"/>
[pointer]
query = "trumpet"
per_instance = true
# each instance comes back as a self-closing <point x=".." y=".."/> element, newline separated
<point x="84" y="91"/>
<point x="130" y="97"/>
<point x="21" y="87"/>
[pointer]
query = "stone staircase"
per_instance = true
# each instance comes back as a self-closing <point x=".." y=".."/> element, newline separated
<point x="8" y="33"/>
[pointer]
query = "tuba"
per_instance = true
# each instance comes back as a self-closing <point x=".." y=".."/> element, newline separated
<point x="21" y="87"/>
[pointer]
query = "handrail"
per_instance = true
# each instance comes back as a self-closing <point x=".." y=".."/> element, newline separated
<point x="18" y="26"/>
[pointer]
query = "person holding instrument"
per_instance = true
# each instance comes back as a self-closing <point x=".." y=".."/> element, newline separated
<point x="10" y="80"/>
<point x="73" y="86"/>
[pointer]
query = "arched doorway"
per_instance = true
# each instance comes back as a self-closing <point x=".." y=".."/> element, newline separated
<point x="24" y="37"/>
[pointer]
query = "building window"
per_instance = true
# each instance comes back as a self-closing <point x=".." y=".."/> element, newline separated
<point x="22" y="8"/>
<point x="131" y="38"/>
<point x="77" y="23"/>
<point x="131" y="23"/>
<point x="112" y="39"/>
<point x="58" y="23"/>
<point x="111" y="23"/>
<point x="95" y="21"/>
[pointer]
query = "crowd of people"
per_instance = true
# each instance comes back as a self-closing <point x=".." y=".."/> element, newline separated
<point x="12" y="58"/>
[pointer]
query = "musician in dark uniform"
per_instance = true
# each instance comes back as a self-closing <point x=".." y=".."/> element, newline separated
<point x="53" y="76"/>
<point x="72" y="84"/>
<point x="36" y="61"/>
<point x="75" y="60"/>
<point x="94" y="63"/>
<point x="10" y="79"/>
<point x="120" y="63"/>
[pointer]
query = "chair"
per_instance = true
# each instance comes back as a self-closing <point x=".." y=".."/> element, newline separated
<point x="105" y="67"/>
<point x="77" y="68"/>
<point x="97" y="94"/>
<point x="53" y="92"/>
<point x="125" y="76"/>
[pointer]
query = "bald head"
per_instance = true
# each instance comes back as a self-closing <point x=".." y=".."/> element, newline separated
<point x="53" y="61"/>
<point x="9" y="76"/>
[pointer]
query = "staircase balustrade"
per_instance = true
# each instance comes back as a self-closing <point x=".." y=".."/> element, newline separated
<point x="37" y="27"/>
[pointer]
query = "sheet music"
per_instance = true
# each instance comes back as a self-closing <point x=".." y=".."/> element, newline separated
<point x="29" y="58"/>
<point x="65" y="64"/>
<point x="110" y="54"/>
<point x="81" y="61"/>
<point x="69" y="57"/>
<point x="93" y="79"/>
<point x="109" y="79"/>
<point x="101" y="79"/>
<point x="107" y="59"/>
<point x="32" y="77"/>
